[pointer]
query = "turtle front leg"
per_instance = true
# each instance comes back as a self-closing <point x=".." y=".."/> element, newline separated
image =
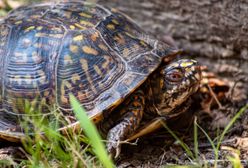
<point x="129" y="122"/>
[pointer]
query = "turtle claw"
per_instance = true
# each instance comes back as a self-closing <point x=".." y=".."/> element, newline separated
<point x="114" y="149"/>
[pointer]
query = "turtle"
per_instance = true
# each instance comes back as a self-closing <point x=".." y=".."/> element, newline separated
<point x="119" y="73"/>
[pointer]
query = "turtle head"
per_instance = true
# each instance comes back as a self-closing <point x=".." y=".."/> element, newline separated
<point x="178" y="81"/>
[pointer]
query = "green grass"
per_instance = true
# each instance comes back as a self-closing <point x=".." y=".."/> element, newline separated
<point x="184" y="145"/>
<point x="215" y="144"/>
<point x="45" y="147"/>
<point x="91" y="132"/>
<point x="8" y="5"/>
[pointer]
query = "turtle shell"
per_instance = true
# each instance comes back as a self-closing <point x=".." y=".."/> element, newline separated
<point x="48" y="51"/>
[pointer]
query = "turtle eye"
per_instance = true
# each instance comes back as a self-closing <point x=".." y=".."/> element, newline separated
<point x="174" y="75"/>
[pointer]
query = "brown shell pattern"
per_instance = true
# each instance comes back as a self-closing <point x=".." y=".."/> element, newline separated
<point x="50" y="50"/>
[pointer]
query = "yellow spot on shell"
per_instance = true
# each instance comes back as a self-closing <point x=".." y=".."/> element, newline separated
<point x="18" y="22"/>
<point x="74" y="49"/>
<point x="39" y="28"/>
<point x="83" y="22"/>
<point x="186" y="64"/>
<point x="72" y="27"/>
<point x="29" y="28"/>
<point x="85" y="67"/>
<point x="107" y="61"/>
<point x="120" y="39"/>
<point x="78" y="38"/>
<point x="75" y="78"/>
<point x="62" y="87"/>
<point x="89" y="50"/>
<point x="85" y="15"/>
<point x="97" y="69"/>
<point x="103" y="47"/>
<point x="115" y="21"/>
<point x="68" y="85"/>
<point x="126" y="52"/>
<point x="80" y="27"/>
<point x="111" y="26"/>
<point x="94" y="36"/>
<point x="84" y="64"/>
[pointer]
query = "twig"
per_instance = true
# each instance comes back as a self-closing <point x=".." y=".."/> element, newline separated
<point x="214" y="96"/>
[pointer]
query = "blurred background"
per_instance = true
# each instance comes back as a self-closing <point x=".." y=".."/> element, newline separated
<point x="7" y="5"/>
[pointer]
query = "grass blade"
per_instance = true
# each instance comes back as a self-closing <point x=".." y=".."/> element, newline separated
<point x="184" y="146"/>
<point x="196" y="151"/>
<point x="233" y="120"/>
<point x="91" y="132"/>
<point x="240" y="112"/>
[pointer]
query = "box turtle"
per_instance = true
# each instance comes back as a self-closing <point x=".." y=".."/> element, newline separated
<point x="118" y="73"/>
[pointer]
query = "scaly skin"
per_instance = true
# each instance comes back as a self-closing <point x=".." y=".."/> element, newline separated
<point x="162" y="96"/>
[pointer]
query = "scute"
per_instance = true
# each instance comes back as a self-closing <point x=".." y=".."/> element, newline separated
<point x="76" y="15"/>
<point x="28" y="71"/>
<point x="86" y="68"/>
<point x="123" y="36"/>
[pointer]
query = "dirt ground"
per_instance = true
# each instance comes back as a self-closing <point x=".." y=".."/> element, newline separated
<point x="214" y="33"/>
